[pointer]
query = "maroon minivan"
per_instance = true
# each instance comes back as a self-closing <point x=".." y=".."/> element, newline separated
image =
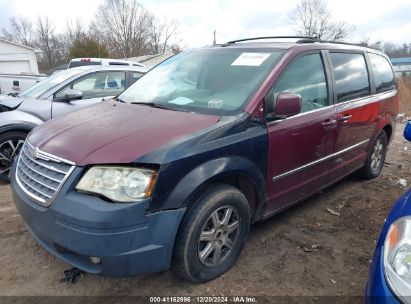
<point x="174" y="171"/>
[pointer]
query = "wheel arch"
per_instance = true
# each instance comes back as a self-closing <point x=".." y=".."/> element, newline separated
<point x="388" y="129"/>
<point x="17" y="127"/>
<point x="236" y="171"/>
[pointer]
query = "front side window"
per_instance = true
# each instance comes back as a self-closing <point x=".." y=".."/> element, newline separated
<point x="97" y="85"/>
<point x="383" y="74"/>
<point x="305" y="77"/>
<point x="216" y="81"/>
<point x="351" y="76"/>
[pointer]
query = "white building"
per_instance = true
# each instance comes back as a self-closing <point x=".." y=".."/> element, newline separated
<point x="17" y="59"/>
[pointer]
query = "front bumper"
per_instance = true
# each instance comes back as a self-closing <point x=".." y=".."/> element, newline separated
<point x="78" y="226"/>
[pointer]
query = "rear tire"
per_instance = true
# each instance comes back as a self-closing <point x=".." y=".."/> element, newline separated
<point x="375" y="160"/>
<point x="212" y="235"/>
<point x="10" y="145"/>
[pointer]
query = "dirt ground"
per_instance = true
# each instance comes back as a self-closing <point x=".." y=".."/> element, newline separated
<point x="275" y="260"/>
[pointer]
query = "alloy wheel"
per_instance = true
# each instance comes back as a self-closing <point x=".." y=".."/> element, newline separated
<point x="9" y="149"/>
<point x="377" y="155"/>
<point x="219" y="236"/>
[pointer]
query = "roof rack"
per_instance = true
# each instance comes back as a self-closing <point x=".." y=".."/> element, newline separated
<point x="269" y="37"/>
<point x="301" y="39"/>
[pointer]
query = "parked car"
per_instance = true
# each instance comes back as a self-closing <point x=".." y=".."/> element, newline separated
<point x="58" y="95"/>
<point x="76" y="62"/>
<point x="389" y="280"/>
<point x="13" y="84"/>
<point x="206" y="143"/>
<point x="18" y="67"/>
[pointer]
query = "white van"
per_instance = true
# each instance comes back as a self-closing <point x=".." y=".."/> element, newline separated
<point x="76" y="62"/>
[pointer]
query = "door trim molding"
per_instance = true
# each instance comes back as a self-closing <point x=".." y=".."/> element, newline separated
<point x="319" y="160"/>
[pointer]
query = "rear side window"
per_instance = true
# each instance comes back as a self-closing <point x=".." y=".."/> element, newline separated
<point x="383" y="74"/>
<point x="135" y="76"/>
<point x="351" y="76"/>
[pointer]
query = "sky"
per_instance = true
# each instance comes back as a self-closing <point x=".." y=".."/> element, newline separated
<point x="233" y="19"/>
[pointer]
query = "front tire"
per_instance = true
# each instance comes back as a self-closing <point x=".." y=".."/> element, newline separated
<point x="375" y="160"/>
<point x="10" y="145"/>
<point x="212" y="235"/>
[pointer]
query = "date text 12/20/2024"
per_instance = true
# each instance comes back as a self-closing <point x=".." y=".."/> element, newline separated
<point x="206" y="299"/>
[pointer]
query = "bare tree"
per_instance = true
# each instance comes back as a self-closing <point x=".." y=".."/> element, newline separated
<point x="75" y="32"/>
<point x="312" y="18"/>
<point x="123" y="27"/>
<point x="162" y="32"/>
<point x="49" y="43"/>
<point x="20" y="31"/>
<point x="75" y="29"/>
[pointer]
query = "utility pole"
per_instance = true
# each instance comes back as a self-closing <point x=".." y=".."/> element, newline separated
<point x="214" y="41"/>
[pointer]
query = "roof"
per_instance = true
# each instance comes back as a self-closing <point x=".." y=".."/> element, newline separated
<point x="152" y="60"/>
<point x="399" y="61"/>
<point x="295" y="42"/>
<point x="111" y="60"/>
<point x="21" y="45"/>
<point x="110" y="68"/>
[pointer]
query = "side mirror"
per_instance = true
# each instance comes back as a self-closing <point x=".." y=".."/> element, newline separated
<point x="73" y="94"/>
<point x="407" y="131"/>
<point x="286" y="105"/>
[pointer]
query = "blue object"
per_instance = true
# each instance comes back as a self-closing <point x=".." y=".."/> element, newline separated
<point x="74" y="228"/>
<point x="407" y="131"/>
<point x="377" y="289"/>
<point x="400" y="61"/>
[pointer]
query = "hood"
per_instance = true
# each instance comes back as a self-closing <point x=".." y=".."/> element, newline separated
<point x="10" y="102"/>
<point x="113" y="133"/>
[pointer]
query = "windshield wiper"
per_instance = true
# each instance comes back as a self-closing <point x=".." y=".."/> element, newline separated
<point x="118" y="99"/>
<point x="155" y="105"/>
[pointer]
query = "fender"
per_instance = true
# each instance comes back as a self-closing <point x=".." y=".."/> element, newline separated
<point x="385" y="120"/>
<point x="214" y="170"/>
<point x="18" y="120"/>
<point x="26" y="127"/>
<point x="389" y="114"/>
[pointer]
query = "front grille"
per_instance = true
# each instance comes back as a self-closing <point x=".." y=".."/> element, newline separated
<point x="40" y="174"/>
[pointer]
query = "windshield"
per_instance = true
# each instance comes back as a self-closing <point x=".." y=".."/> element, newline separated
<point x="44" y="86"/>
<point x="211" y="81"/>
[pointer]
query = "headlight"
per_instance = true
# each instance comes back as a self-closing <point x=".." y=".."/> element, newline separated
<point x="120" y="184"/>
<point x="397" y="258"/>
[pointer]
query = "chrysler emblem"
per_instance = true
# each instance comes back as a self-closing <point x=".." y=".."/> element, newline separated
<point x="35" y="153"/>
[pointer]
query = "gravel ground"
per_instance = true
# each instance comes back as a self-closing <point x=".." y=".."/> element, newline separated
<point x="305" y="250"/>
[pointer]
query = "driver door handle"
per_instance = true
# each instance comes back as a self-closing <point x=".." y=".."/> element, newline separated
<point x="344" y="118"/>
<point x="329" y="123"/>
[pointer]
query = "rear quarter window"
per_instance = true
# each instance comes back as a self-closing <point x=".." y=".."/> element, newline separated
<point x="117" y="63"/>
<point x="74" y="64"/>
<point x="351" y="76"/>
<point x="383" y="74"/>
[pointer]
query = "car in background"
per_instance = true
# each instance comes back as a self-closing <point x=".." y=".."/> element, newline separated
<point x="174" y="171"/>
<point x="76" y="62"/>
<point x="12" y="84"/>
<point x="389" y="279"/>
<point x="58" y="95"/>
